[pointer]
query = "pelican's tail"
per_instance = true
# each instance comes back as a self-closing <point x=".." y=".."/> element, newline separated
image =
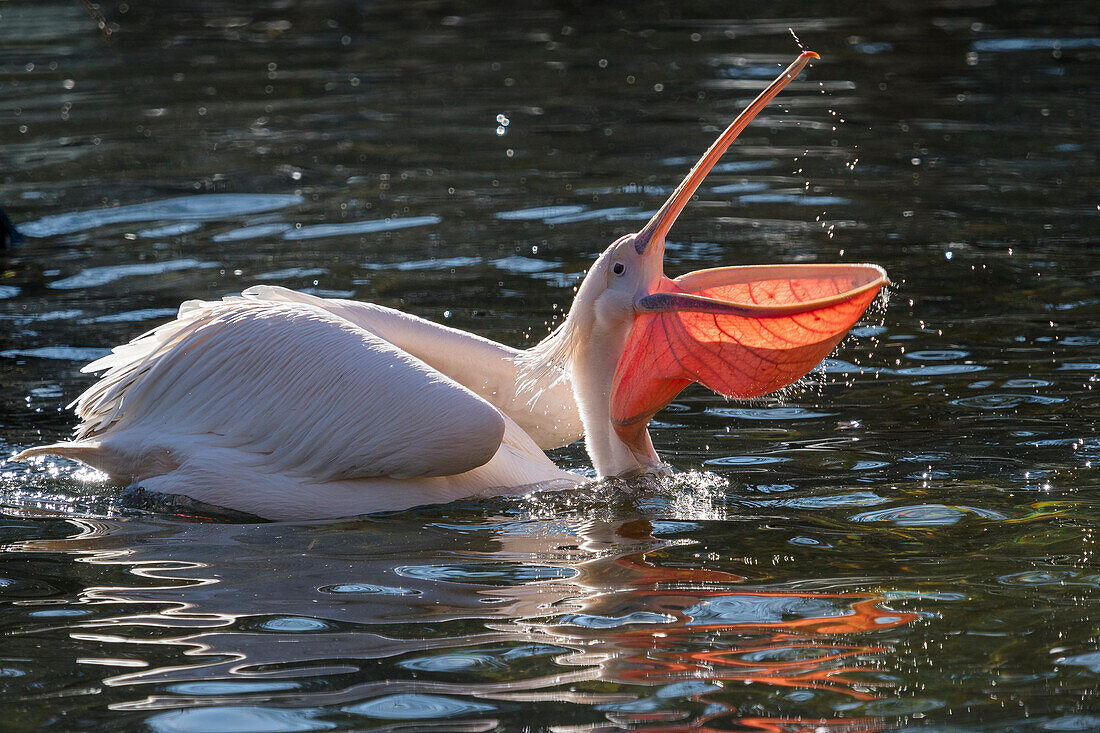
<point x="91" y="452"/>
<point x="85" y="451"/>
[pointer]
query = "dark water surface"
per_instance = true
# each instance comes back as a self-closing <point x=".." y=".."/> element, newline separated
<point x="906" y="541"/>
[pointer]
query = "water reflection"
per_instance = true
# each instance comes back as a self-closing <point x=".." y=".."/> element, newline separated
<point x="398" y="619"/>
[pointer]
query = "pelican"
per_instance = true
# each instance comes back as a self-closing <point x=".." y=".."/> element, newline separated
<point x="290" y="406"/>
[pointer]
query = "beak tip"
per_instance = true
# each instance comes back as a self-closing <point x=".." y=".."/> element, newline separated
<point x="810" y="55"/>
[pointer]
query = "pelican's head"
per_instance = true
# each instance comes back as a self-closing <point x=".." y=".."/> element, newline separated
<point x="623" y="274"/>
<point x="634" y="338"/>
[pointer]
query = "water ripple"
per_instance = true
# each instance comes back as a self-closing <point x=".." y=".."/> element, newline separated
<point x="1026" y="383"/>
<point x="539" y="213"/>
<point x="1033" y="44"/>
<point x="743" y="187"/>
<point x="236" y="719"/>
<point x="1073" y="723"/>
<point x="828" y="501"/>
<point x="925" y="515"/>
<point x="434" y="263"/>
<point x="136" y="316"/>
<point x="615" y="213"/>
<point x="369" y="226"/>
<point x="687" y="688"/>
<point x="592" y="621"/>
<point x="454" y="662"/>
<point x="808" y="542"/>
<point x="96" y="276"/>
<point x="368" y="589"/>
<point x="415" y="706"/>
<point x="929" y="370"/>
<point x="59" y="613"/>
<point x="733" y="166"/>
<point x="503" y="573"/>
<point x="874" y="48"/>
<point x="518" y="264"/>
<point x="292" y="272"/>
<point x="745" y="460"/>
<point x="170" y="230"/>
<point x="1069" y="366"/>
<point x="901" y="706"/>
<point x="252" y="232"/>
<point x="1005" y="401"/>
<point x="790" y="653"/>
<point x="937" y="355"/>
<point x="230" y="687"/>
<point x="762" y="609"/>
<point x="768" y="413"/>
<point x="1090" y="661"/>
<point x="294" y="624"/>
<point x="62" y="353"/>
<point x="1059" y="578"/>
<point x="203" y="207"/>
<point x="798" y="199"/>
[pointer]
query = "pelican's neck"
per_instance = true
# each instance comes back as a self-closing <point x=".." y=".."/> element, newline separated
<point x="592" y="370"/>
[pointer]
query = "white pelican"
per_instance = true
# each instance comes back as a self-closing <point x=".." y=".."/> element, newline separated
<point x="290" y="406"/>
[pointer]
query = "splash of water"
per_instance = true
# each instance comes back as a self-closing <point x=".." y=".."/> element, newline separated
<point x="796" y="40"/>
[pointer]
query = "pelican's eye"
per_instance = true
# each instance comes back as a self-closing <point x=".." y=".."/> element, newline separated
<point x="618" y="268"/>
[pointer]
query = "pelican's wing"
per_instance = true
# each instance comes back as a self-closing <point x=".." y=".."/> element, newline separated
<point x="547" y="412"/>
<point x="305" y="390"/>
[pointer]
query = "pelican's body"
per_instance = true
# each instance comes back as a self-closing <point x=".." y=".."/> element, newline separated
<point x="286" y="405"/>
<point x="290" y="406"/>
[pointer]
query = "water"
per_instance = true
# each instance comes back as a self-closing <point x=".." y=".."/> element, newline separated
<point x="905" y="541"/>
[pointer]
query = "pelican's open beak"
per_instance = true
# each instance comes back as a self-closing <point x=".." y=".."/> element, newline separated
<point x="742" y="331"/>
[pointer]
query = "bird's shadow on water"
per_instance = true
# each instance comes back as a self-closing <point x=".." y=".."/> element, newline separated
<point x="134" y="498"/>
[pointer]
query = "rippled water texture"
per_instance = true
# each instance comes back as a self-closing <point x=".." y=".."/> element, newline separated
<point x="904" y="541"/>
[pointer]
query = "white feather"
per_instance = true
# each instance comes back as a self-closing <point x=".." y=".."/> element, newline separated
<point x="277" y="404"/>
<point x="315" y="394"/>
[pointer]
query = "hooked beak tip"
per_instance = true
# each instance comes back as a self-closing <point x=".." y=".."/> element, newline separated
<point x="809" y="55"/>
